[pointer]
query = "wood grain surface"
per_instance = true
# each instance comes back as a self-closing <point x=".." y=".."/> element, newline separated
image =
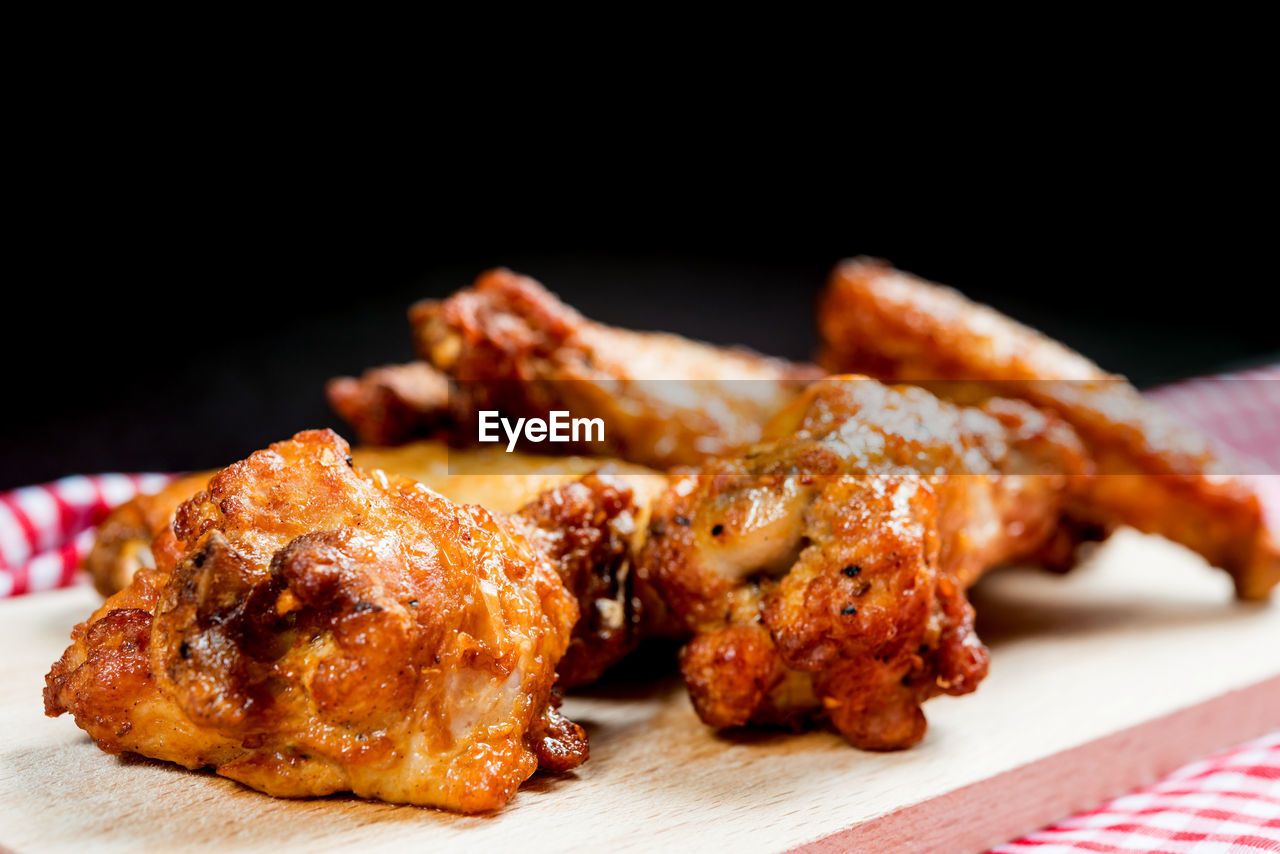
<point x="1101" y="680"/>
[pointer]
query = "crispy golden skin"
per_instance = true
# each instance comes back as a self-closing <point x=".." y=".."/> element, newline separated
<point x="392" y="404"/>
<point x="511" y="345"/>
<point x="1156" y="476"/>
<point x="590" y="527"/>
<point x="324" y="629"/>
<point x="823" y="572"/>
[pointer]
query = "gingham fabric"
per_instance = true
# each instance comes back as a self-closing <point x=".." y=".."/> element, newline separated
<point x="1228" y="803"/>
<point x="46" y="530"/>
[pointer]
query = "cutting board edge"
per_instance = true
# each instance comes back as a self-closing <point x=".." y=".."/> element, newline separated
<point x="960" y="820"/>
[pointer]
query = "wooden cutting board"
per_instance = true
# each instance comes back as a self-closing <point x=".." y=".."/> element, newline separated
<point x="1101" y="680"/>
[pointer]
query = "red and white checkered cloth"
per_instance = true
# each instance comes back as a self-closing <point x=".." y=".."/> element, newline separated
<point x="1228" y="803"/>
<point x="46" y="530"/>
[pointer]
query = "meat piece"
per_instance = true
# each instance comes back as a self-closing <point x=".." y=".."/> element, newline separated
<point x="1156" y="475"/>
<point x="322" y="629"/>
<point x="591" y="528"/>
<point x="823" y="572"/>
<point x="392" y="404"/>
<point x="511" y="345"/>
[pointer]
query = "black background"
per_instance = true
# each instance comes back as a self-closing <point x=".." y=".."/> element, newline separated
<point x="180" y="314"/>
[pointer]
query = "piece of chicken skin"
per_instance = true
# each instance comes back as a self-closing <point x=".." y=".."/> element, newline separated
<point x="325" y="629"/>
<point x="823" y="572"/>
<point x="392" y="404"/>
<point x="510" y="345"/>
<point x="590" y="526"/>
<point x="1155" y="474"/>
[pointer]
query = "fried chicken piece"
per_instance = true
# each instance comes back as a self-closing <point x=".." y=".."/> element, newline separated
<point x="511" y="345"/>
<point x="325" y="629"/>
<point x="823" y="572"/>
<point x="1159" y="476"/>
<point x="590" y="527"/>
<point x="392" y="404"/>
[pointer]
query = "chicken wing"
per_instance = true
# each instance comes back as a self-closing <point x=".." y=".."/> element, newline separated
<point x="511" y="345"/>
<point x="325" y="629"/>
<point x="1157" y="476"/>
<point x="392" y="404"/>
<point x="823" y="572"/>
